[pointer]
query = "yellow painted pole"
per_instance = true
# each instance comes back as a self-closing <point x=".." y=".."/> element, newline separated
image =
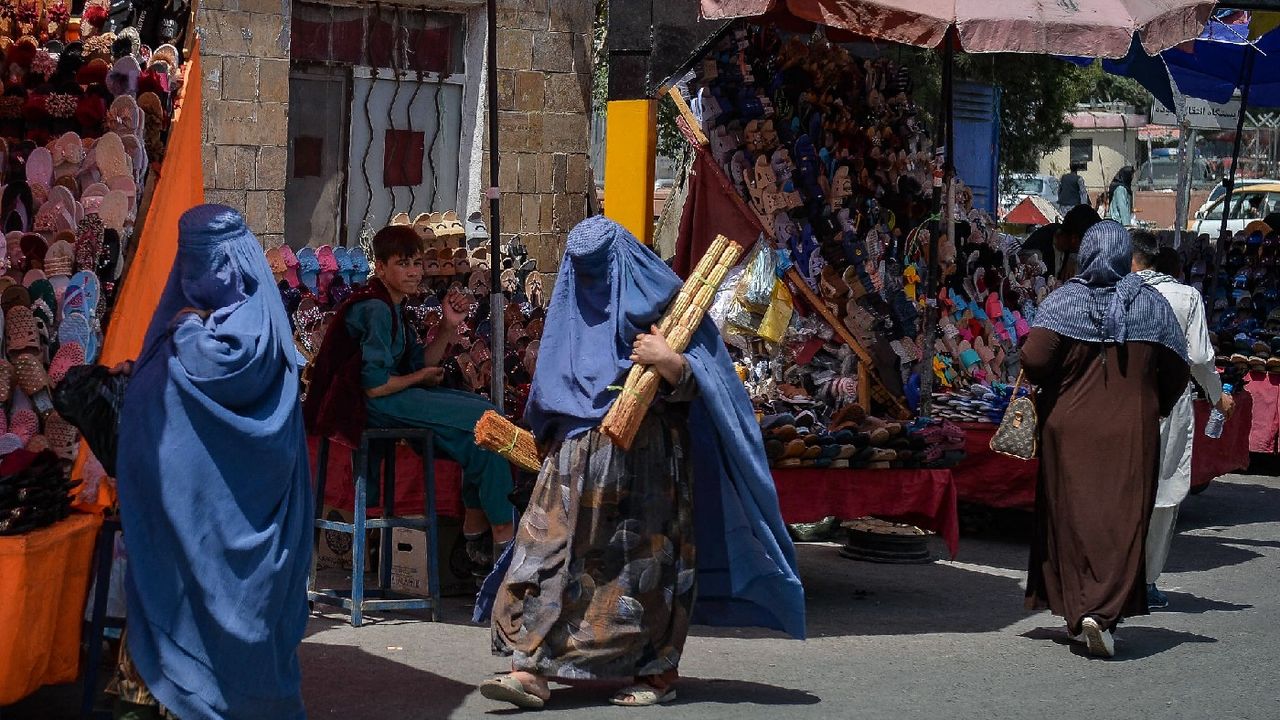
<point x="631" y="147"/>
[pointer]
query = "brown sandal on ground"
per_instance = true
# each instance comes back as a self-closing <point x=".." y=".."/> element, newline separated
<point x="646" y="692"/>
<point x="509" y="689"/>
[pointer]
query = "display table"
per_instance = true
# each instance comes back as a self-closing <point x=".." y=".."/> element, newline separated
<point x="340" y="491"/>
<point x="988" y="478"/>
<point x="925" y="498"/>
<point x="44" y="580"/>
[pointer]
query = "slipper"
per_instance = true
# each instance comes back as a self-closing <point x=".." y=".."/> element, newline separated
<point x="308" y="267"/>
<point x="342" y="255"/>
<point x="114" y="210"/>
<point x="290" y="266"/>
<point x="111" y="157"/>
<point x="360" y="266"/>
<point x="40" y="167"/>
<point x="510" y="690"/>
<point x="76" y="328"/>
<point x="62" y="436"/>
<point x="69" y="355"/>
<point x="21" y="333"/>
<point x="82" y="295"/>
<point x="641" y="695"/>
<point x="9" y="442"/>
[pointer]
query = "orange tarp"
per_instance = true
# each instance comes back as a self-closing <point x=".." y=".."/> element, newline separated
<point x="44" y="580"/>
<point x="180" y="188"/>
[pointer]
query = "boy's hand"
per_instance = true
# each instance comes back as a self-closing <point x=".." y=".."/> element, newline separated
<point x="430" y="377"/>
<point x="454" y="309"/>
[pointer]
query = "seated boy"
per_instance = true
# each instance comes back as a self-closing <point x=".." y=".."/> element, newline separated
<point x="371" y="371"/>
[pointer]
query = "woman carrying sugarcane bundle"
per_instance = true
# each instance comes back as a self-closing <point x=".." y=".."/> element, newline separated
<point x="601" y="579"/>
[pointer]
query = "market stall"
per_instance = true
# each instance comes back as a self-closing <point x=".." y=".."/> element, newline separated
<point x="89" y="120"/>
<point x="873" y="331"/>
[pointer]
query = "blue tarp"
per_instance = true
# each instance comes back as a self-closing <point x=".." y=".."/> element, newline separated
<point x="1209" y="68"/>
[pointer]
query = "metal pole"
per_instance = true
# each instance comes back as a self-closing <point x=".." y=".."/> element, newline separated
<point x="1186" y="148"/>
<point x="944" y="198"/>
<point x="497" y="301"/>
<point x="1246" y="79"/>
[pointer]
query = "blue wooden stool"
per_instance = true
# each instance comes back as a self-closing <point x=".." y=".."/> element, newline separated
<point x="99" y="622"/>
<point x="377" y="452"/>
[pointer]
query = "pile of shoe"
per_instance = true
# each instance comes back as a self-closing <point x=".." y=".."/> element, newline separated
<point x="829" y="151"/>
<point x="34" y="491"/>
<point x="1246" y="303"/>
<point x="854" y="439"/>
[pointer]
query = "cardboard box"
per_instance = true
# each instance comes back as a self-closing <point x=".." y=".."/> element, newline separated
<point x="335" y="547"/>
<point x="408" y="560"/>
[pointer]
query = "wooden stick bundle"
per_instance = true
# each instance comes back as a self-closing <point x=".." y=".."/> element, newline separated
<point x="514" y="443"/>
<point x="678" y="324"/>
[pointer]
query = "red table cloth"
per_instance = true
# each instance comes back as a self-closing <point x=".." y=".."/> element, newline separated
<point x="925" y="498"/>
<point x="340" y="491"/>
<point x="988" y="478"/>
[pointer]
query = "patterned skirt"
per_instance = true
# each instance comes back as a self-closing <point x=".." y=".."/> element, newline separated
<point x="601" y="583"/>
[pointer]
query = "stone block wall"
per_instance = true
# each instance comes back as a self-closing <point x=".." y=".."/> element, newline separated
<point x="245" y="63"/>
<point x="544" y="91"/>
<point x="544" y="121"/>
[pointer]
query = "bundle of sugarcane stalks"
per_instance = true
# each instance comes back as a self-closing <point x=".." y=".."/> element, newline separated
<point x="502" y="436"/>
<point x="678" y="325"/>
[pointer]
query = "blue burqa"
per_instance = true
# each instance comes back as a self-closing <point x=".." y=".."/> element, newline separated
<point x="214" y="486"/>
<point x="610" y="289"/>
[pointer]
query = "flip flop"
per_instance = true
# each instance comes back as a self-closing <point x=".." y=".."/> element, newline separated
<point x="87" y="290"/>
<point x="641" y="695"/>
<point x="510" y="690"/>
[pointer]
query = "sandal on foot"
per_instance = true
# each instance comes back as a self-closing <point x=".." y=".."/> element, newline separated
<point x="642" y="695"/>
<point x="510" y="690"/>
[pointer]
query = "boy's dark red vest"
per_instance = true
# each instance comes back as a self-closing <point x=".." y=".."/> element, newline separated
<point x="335" y="406"/>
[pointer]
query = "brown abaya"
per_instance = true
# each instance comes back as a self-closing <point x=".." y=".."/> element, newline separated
<point x="1099" y="412"/>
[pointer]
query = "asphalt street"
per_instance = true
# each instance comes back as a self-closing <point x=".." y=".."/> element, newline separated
<point x="949" y="639"/>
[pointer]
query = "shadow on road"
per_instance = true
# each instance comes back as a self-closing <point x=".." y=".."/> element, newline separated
<point x="852" y="598"/>
<point x="1188" y="604"/>
<point x="691" y="690"/>
<point x="1132" y="642"/>
<point x="345" y="681"/>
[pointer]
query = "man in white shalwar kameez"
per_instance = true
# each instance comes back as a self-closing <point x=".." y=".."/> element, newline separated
<point x="1178" y="430"/>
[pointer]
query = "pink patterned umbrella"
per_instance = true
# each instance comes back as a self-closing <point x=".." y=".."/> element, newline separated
<point x="1083" y="28"/>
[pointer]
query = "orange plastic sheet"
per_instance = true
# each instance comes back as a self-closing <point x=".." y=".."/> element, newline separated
<point x="44" y="580"/>
<point x="180" y="188"/>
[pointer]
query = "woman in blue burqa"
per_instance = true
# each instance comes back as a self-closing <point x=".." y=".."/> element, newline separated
<point x="1109" y="360"/>
<point x="215" y="494"/>
<point x="601" y="579"/>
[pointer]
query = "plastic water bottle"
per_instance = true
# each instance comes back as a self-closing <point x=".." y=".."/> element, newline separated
<point x="1213" y="428"/>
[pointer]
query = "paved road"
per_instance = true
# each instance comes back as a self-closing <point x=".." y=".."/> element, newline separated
<point x="945" y="640"/>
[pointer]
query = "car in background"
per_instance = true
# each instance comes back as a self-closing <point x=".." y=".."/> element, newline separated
<point x="1022" y="185"/>
<point x="1248" y="203"/>
<point x="1161" y="173"/>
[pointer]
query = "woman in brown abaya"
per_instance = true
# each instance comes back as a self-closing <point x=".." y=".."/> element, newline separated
<point x="1109" y="359"/>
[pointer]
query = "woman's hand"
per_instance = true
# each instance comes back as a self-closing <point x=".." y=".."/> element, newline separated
<point x="202" y="314"/>
<point x="652" y="349"/>
<point x="122" y="368"/>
